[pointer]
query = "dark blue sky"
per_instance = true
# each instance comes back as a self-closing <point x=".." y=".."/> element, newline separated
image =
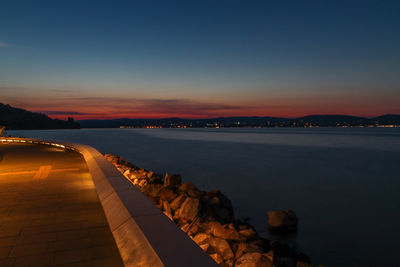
<point x="210" y="58"/>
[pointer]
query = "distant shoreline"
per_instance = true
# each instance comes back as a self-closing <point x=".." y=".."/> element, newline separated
<point x="386" y="121"/>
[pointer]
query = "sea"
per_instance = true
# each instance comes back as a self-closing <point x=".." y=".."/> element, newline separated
<point x="343" y="183"/>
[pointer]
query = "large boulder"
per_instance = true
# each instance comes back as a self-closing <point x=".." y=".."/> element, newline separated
<point x="218" y="206"/>
<point x="216" y="197"/>
<point x="216" y="229"/>
<point x="188" y="210"/>
<point x="152" y="190"/>
<point x="190" y="190"/>
<point x="217" y="258"/>
<point x="222" y="247"/>
<point x="167" y="210"/>
<point x="227" y="232"/>
<point x="177" y="202"/>
<point x="254" y="259"/>
<point x="244" y="248"/>
<point x="201" y="238"/>
<point x="208" y="227"/>
<point x="167" y="194"/>
<point x="172" y="180"/>
<point x="282" y="220"/>
<point x="248" y="233"/>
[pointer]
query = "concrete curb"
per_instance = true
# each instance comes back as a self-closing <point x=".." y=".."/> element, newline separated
<point x="143" y="234"/>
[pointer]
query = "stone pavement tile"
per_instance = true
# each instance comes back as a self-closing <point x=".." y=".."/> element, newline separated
<point x="97" y="221"/>
<point x="31" y="214"/>
<point x="101" y="235"/>
<point x="62" y="245"/>
<point x="81" y="207"/>
<point x="7" y="230"/>
<point x="15" y="218"/>
<point x="29" y="249"/>
<point x="101" y="252"/>
<point x="81" y="197"/>
<point x="72" y="234"/>
<point x="102" y="262"/>
<point x="92" y="216"/>
<point x="37" y="260"/>
<point x="78" y="264"/>
<point x="70" y="256"/>
<point x="36" y="238"/>
<point x="9" y="262"/>
<point x="4" y="252"/>
<point x="34" y="212"/>
<point x="52" y="227"/>
<point x="45" y="203"/>
<point x="8" y="241"/>
<point x="107" y="262"/>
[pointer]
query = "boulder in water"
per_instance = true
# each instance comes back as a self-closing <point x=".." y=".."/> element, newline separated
<point x="282" y="220"/>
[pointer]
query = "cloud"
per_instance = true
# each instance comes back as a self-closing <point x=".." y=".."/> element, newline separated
<point x="118" y="107"/>
<point x="2" y="44"/>
<point x="157" y="107"/>
<point x="57" y="112"/>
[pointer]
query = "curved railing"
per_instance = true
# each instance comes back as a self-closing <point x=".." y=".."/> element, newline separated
<point x="143" y="234"/>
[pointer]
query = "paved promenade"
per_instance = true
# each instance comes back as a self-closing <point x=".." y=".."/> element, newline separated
<point x="50" y="213"/>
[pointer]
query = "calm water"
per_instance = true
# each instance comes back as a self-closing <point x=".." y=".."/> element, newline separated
<point x="344" y="184"/>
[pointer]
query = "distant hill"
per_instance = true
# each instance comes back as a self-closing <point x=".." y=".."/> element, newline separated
<point x="333" y="120"/>
<point x="21" y="119"/>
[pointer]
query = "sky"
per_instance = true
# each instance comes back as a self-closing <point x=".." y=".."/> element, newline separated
<point x="200" y="58"/>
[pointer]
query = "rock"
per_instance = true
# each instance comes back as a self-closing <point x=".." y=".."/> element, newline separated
<point x="222" y="247"/>
<point x="218" y="206"/>
<point x="217" y="258"/>
<point x="189" y="209"/>
<point x="223" y="214"/>
<point x="304" y="264"/>
<point x="221" y="199"/>
<point x="169" y="215"/>
<point x="194" y="227"/>
<point x="248" y="234"/>
<point x="152" y="190"/>
<point x="167" y="194"/>
<point x="270" y="255"/>
<point x="244" y="248"/>
<point x="167" y="210"/>
<point x="201" y="238"/>
<point x="177" y="202"/>
<point x="154" y="179"/>
<point x="227" y="232"/>
<point x="282" y="220"/>
<point x="208" y="227"/>
<point x="185" y="227"/>
<point x="190" y="189"/>
<point x="284" y="261"/>
<point x="254" y="259"/>
<point x="172" y="180"/>
<point x="125" y="168"/>
<point x="142" y="183"/>
<point x="204" y="247"/>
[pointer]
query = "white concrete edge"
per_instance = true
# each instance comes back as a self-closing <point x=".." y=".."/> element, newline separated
<point x="143" y="234"/>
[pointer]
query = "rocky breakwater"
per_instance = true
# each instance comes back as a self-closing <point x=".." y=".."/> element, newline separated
<point x="207" y="217"/>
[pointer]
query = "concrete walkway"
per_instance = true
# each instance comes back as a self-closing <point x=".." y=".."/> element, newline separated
<point x="50" y="213"/>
